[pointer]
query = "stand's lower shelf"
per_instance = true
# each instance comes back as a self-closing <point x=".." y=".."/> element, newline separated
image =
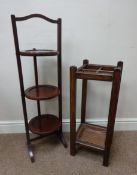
<point x="42" y="92"/>
<point x="44" y="124"/>
<point x="91" y="136"/>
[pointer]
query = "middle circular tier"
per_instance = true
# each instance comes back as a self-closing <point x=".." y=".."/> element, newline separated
<point x="42" y="92"/>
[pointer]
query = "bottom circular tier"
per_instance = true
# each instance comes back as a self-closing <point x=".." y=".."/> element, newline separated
<point x="44" y="124"/>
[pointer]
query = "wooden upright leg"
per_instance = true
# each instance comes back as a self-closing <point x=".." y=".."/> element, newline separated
<point x="119" y="66"/>
<point x="24" y="108"/>
<point x="84" y="95"/>
<point x="73" y="70"/>
<point x="112" y="113"/>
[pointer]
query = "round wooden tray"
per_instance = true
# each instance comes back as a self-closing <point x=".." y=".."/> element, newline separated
<point x="45" y="124"/>
<point x="39" y="52"/>
<point x="43" y="92"/>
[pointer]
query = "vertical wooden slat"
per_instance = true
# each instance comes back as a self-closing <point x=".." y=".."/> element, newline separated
<point x="84" y="95"/>
<point x="59" y="62"/>
<point x="73" y="70"/>
<point x="37" y="87"/>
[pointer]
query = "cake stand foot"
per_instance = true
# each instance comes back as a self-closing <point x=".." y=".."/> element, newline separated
<point x="31" y="155"/>
<point x="62" y="139"/>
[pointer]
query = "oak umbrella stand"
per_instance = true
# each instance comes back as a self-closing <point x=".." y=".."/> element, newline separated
<point x="43" y="124"/>
<point x="88" y="135"/>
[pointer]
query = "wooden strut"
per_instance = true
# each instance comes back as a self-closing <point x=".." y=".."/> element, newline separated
<point x="84" y="95"/>
<point x="37" y="88"/>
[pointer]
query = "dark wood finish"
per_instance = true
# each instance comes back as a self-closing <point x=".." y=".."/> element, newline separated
<point x="49" y="124"/>
<point x="96" y="72"/>
<point x="16" y="42"/>
<point x="40" y="92"/>
<point x="112" y="111"/>
<point x="39" y="52"/>
<point x="103" y="67"/>
<point x="35" y="16"/>
<point x="36" y="74"/>
<point x="84" y="94"/>
<point x="37" y="86"/>
<point x="73" y="70"/>
<point x="59" y="63"/>
<point x="88" y="135"/>
<point x="59" y="48"/>
<point x="95" y="76"/>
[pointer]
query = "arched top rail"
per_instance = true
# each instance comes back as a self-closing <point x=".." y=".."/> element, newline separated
<point x="35" y="16"/>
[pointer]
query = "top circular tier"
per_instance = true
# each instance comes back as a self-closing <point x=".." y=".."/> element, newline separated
<point x="39" y="52"/>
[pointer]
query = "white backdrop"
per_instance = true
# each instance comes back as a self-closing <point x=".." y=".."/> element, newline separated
<point x="101" y="31"/>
